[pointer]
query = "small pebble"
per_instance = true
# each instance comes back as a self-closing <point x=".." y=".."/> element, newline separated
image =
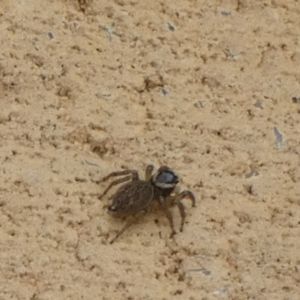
<point x="171" y="27"/>
<point x="202" y="270"/>
<point x="225" y="12"/>
<point x="164" y="91"/>
<point x="258" y="104"/>
<point x="50" y="35"/>
<point x="280" y="143"/>
<point x="251" y="174"/>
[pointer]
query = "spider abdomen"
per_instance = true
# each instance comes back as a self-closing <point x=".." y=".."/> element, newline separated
<point x="132" y="197"/>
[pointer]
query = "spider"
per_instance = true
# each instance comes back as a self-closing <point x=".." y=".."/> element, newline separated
<point x="136" y="196"/>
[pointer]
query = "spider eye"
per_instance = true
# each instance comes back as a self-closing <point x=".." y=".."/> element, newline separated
<point x="167" y="177"/>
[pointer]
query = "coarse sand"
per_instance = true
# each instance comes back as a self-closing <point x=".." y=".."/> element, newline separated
<point x="209" y="88"/>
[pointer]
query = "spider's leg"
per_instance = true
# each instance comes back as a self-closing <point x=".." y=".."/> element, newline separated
<point x="177" y="200"/>
<point x="182" y="213"/>
<point x="168" y="213"/>
<point x="133" y="173"/>
<point x="113" y="183"/>
<point x="184" y="194"/>
<point x="148" y="172"/>
<point x="128" y="224"/>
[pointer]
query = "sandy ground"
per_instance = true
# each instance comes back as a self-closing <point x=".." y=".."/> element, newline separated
<point x="210" y="88"/>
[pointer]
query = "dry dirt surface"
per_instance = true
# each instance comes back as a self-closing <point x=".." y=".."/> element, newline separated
<point x="209" y="88"/>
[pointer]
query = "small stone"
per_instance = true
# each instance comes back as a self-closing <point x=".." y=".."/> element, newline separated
<point x="50" y="35"/>
<point x="171" y="27"/>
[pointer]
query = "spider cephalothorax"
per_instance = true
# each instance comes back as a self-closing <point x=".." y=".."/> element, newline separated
<point x="136" y="195"/>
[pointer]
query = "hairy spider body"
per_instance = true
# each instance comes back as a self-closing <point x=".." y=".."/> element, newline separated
<point x="132" y="198"/>
<point x="136" y="196"/>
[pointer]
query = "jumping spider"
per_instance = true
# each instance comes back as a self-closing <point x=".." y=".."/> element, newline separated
<point x="135" y="197"/>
